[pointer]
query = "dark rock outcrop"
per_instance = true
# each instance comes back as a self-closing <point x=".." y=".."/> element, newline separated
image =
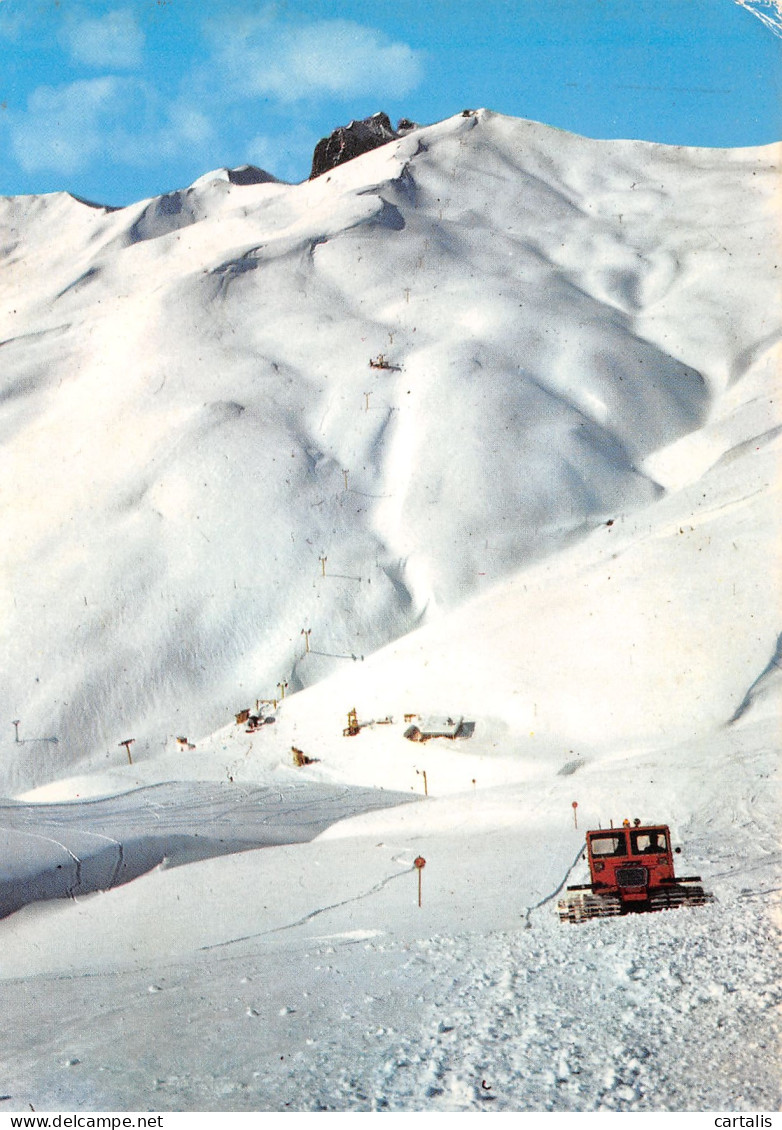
<point x="249" y="174"/>
<point x="352" y="140"/>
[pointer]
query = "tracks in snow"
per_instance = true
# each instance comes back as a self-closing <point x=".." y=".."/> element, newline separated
<point x="75" y="848"/>
<point x="520" y="1021"/>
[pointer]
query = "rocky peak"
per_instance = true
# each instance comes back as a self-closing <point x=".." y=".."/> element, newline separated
<point x="356" y="138"/>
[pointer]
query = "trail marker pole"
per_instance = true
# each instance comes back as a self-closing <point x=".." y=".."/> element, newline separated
<point x="15" y="725"/>
<point x="323" y="561"/>
<point x="282" y="687"/>
<point x="575" y="813"/>
<point x="306" y="633"/>
<point x="419" y="865"/>
<point x="345" y="473"/>
<point x="127" y="744"/>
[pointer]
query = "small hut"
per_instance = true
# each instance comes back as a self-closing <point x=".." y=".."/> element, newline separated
<point x="436" y="727"/>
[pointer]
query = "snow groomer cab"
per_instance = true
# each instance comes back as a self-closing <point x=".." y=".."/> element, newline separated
<point x="631" y="869"/>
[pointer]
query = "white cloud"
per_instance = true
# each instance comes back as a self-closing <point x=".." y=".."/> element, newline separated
<point x="336" y="58"/>
<point x="282" y="156"/>
<point x="114" y="40"/>
<point x="180" y="129"/>
<point x="264" y="152"/>
<point x="66" y="128"/>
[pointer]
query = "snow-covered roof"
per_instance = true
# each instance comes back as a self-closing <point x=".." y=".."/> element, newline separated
<point x="432" y="725"/>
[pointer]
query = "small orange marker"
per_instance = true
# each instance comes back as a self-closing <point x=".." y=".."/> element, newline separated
<point x="419" y="865"/>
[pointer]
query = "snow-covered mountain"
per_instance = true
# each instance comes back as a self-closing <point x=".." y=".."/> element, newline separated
<point x="201" y="465"/>
<point x="549" y="509"/>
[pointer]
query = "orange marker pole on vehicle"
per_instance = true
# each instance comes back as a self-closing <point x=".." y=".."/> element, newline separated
<point x="575" y="813"/>
<point x="419" y="865"/>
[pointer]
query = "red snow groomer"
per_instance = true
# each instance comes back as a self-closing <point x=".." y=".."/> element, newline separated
<point x="631" y="869"/>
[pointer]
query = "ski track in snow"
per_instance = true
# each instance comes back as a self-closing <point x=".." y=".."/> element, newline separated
<point x="167" y="823"/>
<point x="313" y="913"/>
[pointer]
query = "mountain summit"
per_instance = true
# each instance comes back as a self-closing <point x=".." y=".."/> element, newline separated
<point x="348" y="142"/>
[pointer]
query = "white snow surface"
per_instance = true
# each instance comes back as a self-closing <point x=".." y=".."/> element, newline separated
<point x="556" y="516"/>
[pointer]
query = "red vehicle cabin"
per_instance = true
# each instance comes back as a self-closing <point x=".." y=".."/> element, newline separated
<point x="630" y="861"/>
<point x="631" y="869"/>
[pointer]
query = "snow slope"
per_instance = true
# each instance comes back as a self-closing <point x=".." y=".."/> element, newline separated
<point x="580" y="523"/>
<point x="191" y="423"/>
<point x="308" y="978"/>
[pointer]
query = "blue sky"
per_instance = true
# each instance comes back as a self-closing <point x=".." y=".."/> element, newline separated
<point x="116" y="100"/>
